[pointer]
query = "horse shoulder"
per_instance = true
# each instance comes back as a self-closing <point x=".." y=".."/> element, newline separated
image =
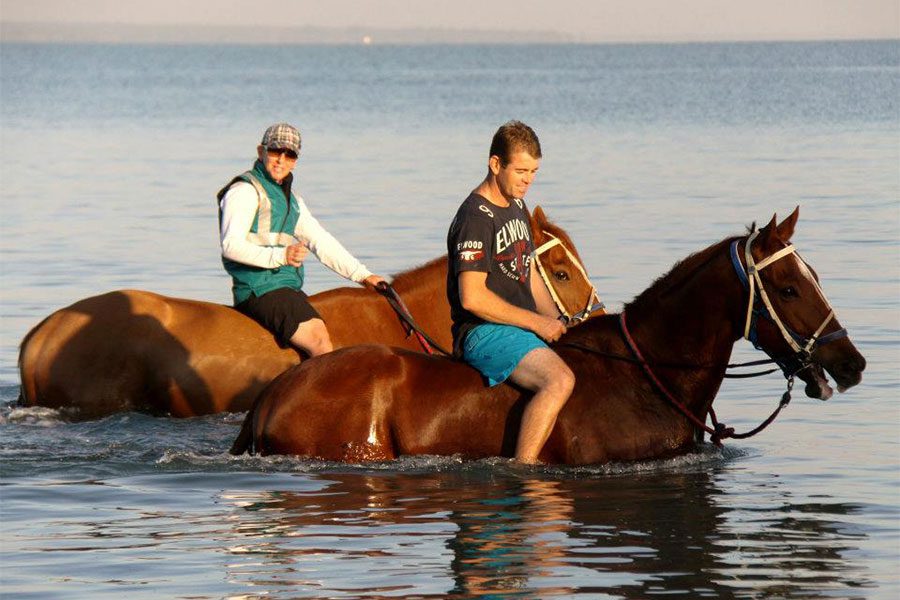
<point x="613" y="412"/>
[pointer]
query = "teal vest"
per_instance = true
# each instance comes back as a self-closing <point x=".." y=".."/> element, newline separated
<point x="274" y="223"/>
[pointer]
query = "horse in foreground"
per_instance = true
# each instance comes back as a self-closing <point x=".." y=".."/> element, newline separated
<point x="136" y="350"/>
<point x="635" y="372"/>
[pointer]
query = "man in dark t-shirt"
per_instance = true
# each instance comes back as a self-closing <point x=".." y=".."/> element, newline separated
<point x="502" y="315"/>
<point x="495" y="240"/>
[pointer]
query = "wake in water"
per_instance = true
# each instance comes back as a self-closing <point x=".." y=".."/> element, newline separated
<point x="708" y="456"/>
<point x="135" y="442"/>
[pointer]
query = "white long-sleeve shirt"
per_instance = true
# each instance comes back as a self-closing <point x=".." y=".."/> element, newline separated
<point x="239" y="206"/>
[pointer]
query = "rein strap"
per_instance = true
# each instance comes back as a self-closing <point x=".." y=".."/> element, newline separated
<point x="719" y="431"/>
<point x="411" y="327"/>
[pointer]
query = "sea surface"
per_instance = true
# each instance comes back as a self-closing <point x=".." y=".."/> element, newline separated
<point x="110" y="158"/>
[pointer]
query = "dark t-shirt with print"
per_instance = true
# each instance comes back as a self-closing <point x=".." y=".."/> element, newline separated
<point x="494" y="240"/>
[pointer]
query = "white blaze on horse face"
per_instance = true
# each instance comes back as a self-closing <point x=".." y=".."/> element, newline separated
<point x="808" y="275"/>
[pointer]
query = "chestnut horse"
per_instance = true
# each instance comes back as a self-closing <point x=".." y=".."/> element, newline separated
<point x="377" y="403"/>
<point x="136" y="350"/>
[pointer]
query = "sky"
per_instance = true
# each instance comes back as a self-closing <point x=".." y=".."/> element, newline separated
<point x="584" y="20"/>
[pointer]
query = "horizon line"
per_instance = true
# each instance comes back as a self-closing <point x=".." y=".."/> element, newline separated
<point x="25" y="32"/>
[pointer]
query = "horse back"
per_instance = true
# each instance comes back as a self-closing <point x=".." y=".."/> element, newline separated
<point x="377" y="403"/>
<point x="136" y="350"/>
<point x="361" y="316"/>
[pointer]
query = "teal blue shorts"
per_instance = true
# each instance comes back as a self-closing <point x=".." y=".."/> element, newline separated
<point x="495" y="350"/>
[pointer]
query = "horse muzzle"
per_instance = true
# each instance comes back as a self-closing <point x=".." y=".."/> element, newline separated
<point x="841" y="360"/>
<point x="817" y="385"/>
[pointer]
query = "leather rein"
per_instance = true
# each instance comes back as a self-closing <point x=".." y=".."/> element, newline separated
<point x="406" y="319"/>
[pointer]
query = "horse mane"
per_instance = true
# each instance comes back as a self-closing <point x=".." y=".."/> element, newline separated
<point x="409" y="277"/>
<point x="681" y="272"/>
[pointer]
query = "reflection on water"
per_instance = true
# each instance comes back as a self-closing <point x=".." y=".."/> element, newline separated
<point x="507" y="545"/>
<point x="473" y="534"/>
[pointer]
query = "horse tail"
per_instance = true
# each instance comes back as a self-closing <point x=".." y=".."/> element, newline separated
<point x="243" y="444"/>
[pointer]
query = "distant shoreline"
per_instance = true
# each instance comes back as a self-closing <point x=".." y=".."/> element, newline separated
<point x="111" y="33"/>
<point x="186" y="34"/>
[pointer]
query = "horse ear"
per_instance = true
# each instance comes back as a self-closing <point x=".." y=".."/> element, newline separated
<point x="786" y="228"/>
<point x="538" y="224"/>
<point x="538" y="216"/>
<point x="767" y="233"/>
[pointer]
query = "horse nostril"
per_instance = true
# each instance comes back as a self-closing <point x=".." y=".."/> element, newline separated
<point x="852" y="366"/>
<point x="849" y="372"/>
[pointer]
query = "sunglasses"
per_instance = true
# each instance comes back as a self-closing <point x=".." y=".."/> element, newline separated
<point x="276" y="152"/>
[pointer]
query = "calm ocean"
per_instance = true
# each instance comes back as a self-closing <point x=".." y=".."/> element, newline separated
<point x="110" y="157"/>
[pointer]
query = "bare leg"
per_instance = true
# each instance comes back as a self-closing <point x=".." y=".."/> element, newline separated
<point x="543" y="372"/>
<point x="312" y="337"/>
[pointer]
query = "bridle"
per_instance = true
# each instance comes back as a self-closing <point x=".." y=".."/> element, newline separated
<point x="593" y="303"/>
<point x="759" y="305"/>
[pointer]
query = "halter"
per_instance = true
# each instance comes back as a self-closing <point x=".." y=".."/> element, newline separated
<point x="759" y="304"/>
<point x="591" y="306"/>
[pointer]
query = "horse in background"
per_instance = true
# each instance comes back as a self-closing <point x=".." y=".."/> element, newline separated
<point x="133" y="350"/>
<point x="644" y="385"/>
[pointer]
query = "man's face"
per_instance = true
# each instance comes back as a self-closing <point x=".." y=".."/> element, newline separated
<point x="278" y="163"/>
<point x="516" y="176"/>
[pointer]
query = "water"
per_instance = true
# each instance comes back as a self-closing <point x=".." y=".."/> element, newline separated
<point x="111" y="156"/>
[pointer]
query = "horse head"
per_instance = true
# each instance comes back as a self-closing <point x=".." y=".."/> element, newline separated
<point x="562" y="270"/>
<point x="789" y="316"/>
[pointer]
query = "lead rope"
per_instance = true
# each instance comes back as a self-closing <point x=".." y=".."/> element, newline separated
<point x="628" y="359"/>
<point x="719" y="431"/>
<point x="728" y="432"/>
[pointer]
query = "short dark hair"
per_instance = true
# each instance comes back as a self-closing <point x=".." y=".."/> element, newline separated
<point x="512" y="137"/>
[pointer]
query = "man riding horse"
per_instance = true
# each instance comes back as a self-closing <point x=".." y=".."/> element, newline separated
<point x="266" y="233"/>
<point x="502" y="312"/>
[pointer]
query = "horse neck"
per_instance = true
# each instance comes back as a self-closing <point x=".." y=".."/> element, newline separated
<point x="423" y="286"/>
<point x="691" y="317"/>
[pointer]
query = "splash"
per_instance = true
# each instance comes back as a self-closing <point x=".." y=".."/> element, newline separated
<point x="40" y="416"/>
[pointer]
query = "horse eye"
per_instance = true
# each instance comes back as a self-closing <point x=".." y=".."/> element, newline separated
<point x="561" y="276"/>
<point x="789" y="292"/>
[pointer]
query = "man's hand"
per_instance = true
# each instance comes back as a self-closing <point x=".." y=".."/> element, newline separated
<point x="295" y="253"/>
<point x="549" y="329"/>
<point x="373" y="280"/>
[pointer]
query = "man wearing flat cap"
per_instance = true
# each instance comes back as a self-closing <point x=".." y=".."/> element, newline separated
<point x="266" y="232"/>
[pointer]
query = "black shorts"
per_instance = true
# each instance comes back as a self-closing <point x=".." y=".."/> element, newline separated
<point x="280" y="311"/>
